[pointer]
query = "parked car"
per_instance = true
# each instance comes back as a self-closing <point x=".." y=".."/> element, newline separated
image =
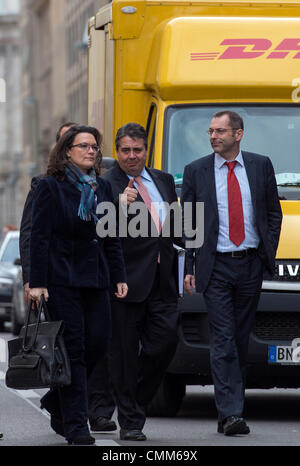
<point x="12" y="305"/>
<point x="6" y="286"/>
<point x="18" y="310"/>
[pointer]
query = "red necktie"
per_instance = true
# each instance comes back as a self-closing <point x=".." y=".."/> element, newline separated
<point x="235" y="207"/>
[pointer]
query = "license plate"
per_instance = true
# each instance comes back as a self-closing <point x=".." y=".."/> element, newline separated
<point x="289" y="355"/>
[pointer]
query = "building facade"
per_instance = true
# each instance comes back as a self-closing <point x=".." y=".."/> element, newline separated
<point x="11" y="150"/>
<point x="55" y="60"/>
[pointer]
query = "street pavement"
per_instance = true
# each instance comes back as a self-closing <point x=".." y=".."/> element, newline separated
<point x="273" y="417"/>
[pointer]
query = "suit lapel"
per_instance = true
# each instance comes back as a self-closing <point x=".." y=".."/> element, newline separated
<point x="160" y="184"/>
<point x="251" y="174"/>
<point x="209" y="179"/>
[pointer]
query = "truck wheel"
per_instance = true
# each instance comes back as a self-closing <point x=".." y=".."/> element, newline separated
<point x="167" y="399"/>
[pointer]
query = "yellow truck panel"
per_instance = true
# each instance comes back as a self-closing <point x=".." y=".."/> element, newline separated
<point x="182" y="62"/>
<point x="290" y="231"/>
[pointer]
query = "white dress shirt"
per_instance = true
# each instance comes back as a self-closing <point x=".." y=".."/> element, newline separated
<point x="251" y="236"/>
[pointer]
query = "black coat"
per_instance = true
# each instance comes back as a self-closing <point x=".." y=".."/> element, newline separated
<point x="141" y="253"/>
<point x="65" y="250"/>
<point x="199" y="186"/>
<point x="25" y="230"/>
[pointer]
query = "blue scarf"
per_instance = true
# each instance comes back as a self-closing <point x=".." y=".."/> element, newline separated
<point x="87" y="185"/>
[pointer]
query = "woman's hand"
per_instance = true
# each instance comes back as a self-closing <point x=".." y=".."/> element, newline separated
<point x="122" y="290"/>
<point x="27" y="292"/>
<point x="36" y="293"/>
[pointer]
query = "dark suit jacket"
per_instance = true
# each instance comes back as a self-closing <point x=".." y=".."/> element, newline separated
<point x="65" y="250"/>
<point x="140" y="253"/>
<point x="199" y="186"/>
<point x="25" y="230"/>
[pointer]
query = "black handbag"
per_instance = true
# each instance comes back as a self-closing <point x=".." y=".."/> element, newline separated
<point x="38" y="357"/>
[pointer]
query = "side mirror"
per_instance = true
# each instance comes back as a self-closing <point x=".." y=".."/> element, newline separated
<point x="17" y="261"/>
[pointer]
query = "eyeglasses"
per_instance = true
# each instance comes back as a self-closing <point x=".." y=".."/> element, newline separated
<point x="86" y="147"/>
<point x="220" y="131"/>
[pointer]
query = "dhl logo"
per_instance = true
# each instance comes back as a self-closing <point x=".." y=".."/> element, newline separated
<point x="242" y="49"/>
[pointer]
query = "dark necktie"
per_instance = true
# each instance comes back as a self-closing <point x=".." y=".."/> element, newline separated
<point x="235" y="207"/>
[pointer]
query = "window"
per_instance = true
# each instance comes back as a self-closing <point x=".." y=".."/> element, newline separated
<point x="269" y="130"/>
<point x="150" y="129"/>
<point x="11" y="252"/>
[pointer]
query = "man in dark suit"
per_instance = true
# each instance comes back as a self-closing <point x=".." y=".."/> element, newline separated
<point x="145" y="324"/>
<point x="242" y="221"/>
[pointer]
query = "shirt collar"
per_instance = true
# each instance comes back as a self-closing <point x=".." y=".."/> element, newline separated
<point x="144" y="174"/>
<point x="219" y="161"/>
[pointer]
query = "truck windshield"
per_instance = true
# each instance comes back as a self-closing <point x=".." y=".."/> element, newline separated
<point x="269" y="130"/>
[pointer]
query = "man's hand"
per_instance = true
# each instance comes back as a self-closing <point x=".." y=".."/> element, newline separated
<point x="130" y="194"/>
<point x="122" y="290"/>
<point x="189" y="283"/>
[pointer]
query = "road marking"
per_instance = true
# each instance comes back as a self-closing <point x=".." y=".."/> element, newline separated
<point x="22" y="394"/>
<point x="37" y="408"/>
<point x="107" y="443"/>
<point x="27" y="394"/>
<point x="2" y="350"/>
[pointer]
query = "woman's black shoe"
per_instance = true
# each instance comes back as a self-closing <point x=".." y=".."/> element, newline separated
<point x="86" y="440"/>
<point x="50" y="402"/>
<point x="57" y="425"/>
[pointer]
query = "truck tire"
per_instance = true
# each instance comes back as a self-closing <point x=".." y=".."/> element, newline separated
<point x="167" y="399"/>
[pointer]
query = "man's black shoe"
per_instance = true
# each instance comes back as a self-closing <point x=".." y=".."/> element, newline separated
<point x="233" y="425"/>
<point x="132" y="434"/>
<point x="102" y="424"/>
<point x="86" y="440"/>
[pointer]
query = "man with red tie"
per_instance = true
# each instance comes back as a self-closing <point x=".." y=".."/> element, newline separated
<point x="145" y="325"/>
<point x="242" y="221"/>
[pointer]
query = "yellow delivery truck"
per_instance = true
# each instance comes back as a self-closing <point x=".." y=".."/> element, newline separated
<point x="169" y="65"/>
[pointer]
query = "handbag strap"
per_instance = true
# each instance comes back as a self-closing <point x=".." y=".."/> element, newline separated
<point x="42" y="307"/>
<point x="24" y="347"/>
<point x="45" y="308"/>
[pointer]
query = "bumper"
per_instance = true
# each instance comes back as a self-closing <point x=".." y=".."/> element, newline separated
<point x="277" y="323"/>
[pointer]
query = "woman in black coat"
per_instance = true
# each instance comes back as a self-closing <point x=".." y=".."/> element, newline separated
<point x="73" y="267"/>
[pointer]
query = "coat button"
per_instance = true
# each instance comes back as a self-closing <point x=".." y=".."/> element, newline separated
<point x="94" y="241"/>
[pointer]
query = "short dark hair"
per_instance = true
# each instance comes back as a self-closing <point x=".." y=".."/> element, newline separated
<point x="64" y="125"/>
<point x="235" y="120"/>
<point x="58" y="156"/>
<point x="132" y="130"/>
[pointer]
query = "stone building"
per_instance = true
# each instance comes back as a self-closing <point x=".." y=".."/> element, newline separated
<point x="11" y="150"/>
<point x="55" y="49"/>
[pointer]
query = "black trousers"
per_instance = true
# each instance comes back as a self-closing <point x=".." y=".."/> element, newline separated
<point x="144" y="341"/>
<point x="231" y="299"/>
<point x="86" y="314"/>
<point x="101" y="401"/>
